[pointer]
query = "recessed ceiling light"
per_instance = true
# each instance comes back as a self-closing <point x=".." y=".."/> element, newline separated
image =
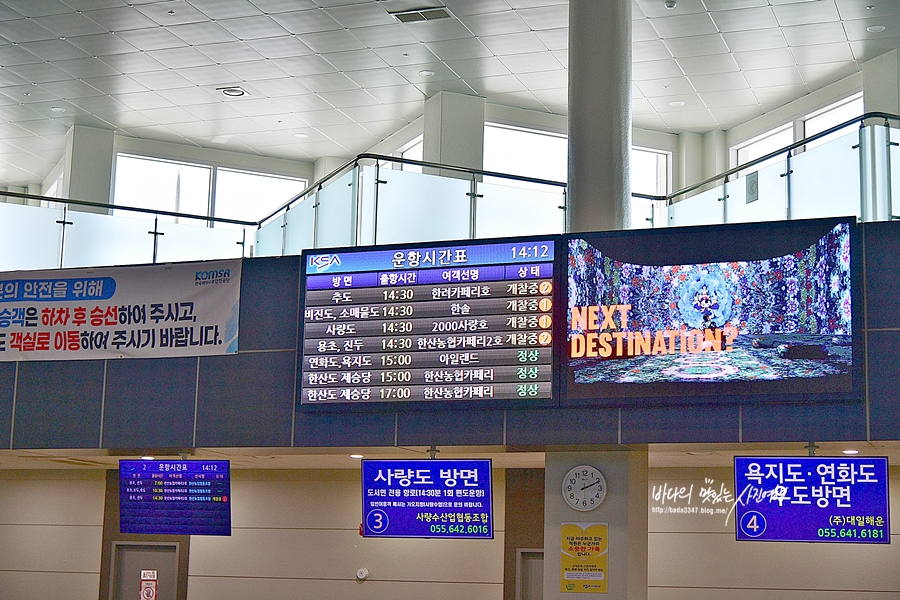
<point x="57" y="109"/>
<point x="870" y="7"/>
<point x="876" y="28"/>
<point x="850" y="452"/>
<point x="357" y="456"/>
<point x="426" y="73"/>
<point x="676" y="103"/>
<point x="301" y="135"/>
<point x="232" y="91"/>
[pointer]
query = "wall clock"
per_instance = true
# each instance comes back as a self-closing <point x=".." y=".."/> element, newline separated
<point x="584" y="487"/>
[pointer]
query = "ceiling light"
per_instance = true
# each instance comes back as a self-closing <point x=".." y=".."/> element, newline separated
<point x="850" y="452"/>
<point x="426" y="73"/>
<point x="357" y="456"/>
<point x="670" y="4"/>
<point x="417" y="15"/>
<point x="676" y="103"/>
<point x="232" y="91"/>
<point x="148" y="458"/>
<point x="301" y="136"/>
<point x="876" y="28"/>
<point x="57" y="109"/>
<point x="870" y="7"/>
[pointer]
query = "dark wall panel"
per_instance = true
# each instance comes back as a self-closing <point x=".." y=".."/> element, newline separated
<point x="884" y="384"/>
<point x="450" y="428"/>
<point x="7" y="388"/>
<point x="269" y="303"/>
<point x="342" y="428"/>
<point x="58" y="404"/>
<point x="246" y="399"/>
<point x="551" y="426"/>
<point x="804" y="422"/>
<point x="150" y="403"/>
<point x="882" y="256"/>
<point x="702" y="423"/>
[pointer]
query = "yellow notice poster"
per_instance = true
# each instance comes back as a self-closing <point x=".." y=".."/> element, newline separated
<point x="583" y="565"/>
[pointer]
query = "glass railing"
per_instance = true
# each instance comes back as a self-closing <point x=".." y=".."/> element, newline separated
<point x="855" y="173"/>
<point x="373" y="200"/>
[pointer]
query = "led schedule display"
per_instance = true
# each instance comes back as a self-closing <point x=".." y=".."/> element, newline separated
<point x="427" y="498"/>
<point x="436" y="323"/>
<point x="175" y="497"/>
<point x="812" y="499"/>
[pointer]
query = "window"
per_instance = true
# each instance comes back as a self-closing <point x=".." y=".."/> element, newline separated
<point x="414" y="150"/>
<point x="525" y="152"/>
<point x="832" y="115"/>
<point x="649" y="175"/>
<point x="761" y="145"/>
<point x="158" y="184"/>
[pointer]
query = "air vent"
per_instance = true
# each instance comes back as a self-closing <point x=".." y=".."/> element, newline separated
<point x="418" y="15"/>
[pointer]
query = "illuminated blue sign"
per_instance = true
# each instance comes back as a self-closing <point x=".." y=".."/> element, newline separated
<point x="812" y="499"/>
<point x="427" y="498"/>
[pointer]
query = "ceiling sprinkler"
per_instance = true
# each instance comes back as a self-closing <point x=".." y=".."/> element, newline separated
<point x="670" y="4"/>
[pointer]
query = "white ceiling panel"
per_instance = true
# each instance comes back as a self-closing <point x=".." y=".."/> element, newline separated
<point x="348" y="66"/>
<point x="745" y="19"/>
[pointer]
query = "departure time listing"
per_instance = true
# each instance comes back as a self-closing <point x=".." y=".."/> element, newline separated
<point x="429" y="324"/>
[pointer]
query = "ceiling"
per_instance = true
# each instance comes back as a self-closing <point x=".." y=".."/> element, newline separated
<point x="334" y="77"/>
<point x="502" y="457"/>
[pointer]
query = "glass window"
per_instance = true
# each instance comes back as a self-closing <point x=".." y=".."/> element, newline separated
<point x="832" y="115"/>
<point x="251" y="196"/>
<point x="649" y="175"/>
<point x="525" y="152"/>
<point x="160" y="185"/>
<point x="761" y="145"/>
<point x="414" y="151"/>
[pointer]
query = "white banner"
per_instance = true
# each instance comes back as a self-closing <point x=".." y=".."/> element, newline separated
<point x="182" y="309"/>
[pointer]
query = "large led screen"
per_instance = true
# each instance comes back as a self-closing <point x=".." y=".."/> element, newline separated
<point x="175" y="497"/>
<point x="460" y="321"/>
<point x="763" y="308"/>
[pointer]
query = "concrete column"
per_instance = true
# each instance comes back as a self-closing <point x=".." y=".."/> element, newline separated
<point x="454" y="131"/>
<point x="881" y="83"/>
<point x="87" y="166"/>
<point x="326" y="165"/>
<point x="881" y="92"/>
<point x="599" y="115"/>
<point x="624" y="510"/>
<point x="690" y="163"/>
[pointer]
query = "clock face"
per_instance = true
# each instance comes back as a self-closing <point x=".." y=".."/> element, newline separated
<point x="584" y="488"/>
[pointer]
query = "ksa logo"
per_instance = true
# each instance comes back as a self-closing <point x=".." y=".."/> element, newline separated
<point x="323" y="262"/>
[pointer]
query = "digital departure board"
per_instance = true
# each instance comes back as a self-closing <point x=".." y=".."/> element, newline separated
<point x="454" y="322"/>
<point x="812" y="499"/>
<point x="175" y="497"/>
<point x="427" y="498"/>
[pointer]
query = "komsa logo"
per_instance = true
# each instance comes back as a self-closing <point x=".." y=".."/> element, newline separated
<point x="212" y="277"/>
<point x="323" y="262"/>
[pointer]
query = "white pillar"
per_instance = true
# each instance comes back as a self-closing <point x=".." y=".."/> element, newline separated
<point x="599" y="115"/>
<point x="87" y="166"/>
<point x="624" y="510"/>
<point x="454" y="131"/>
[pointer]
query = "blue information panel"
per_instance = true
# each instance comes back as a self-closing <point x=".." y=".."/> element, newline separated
<point x="175" y="497"/>
<point x="429" y="323"/>
<point x="812" y="499"/>
<point x="427" y="498"/>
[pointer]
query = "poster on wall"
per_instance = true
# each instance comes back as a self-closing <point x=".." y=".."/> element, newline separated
<point x="448" y="498"/>
<point x="459" y="321"/>
<point x="584" y="558"/>
<point x="763" y="308"/>
<point x="812" y="499"/>
<point x="180" y="309"/>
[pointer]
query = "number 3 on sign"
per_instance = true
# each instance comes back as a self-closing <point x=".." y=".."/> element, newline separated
<point x="753" y="523"/>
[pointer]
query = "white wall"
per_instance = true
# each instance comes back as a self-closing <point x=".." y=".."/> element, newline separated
<point x="51" y="532"/>
<point x="295" y="534"/>
<point x="696" y="557"/>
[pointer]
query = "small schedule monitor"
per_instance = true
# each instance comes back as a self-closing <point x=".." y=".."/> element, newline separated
<point x="175" y="497"/>
<point x="459" y="321"/>
<point x="427" y="498"/>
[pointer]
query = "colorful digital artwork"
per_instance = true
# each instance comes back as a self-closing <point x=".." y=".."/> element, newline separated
<point x="782" y="318"/>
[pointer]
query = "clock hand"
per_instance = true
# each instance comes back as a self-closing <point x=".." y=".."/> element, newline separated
<point x="589" y="485"/>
